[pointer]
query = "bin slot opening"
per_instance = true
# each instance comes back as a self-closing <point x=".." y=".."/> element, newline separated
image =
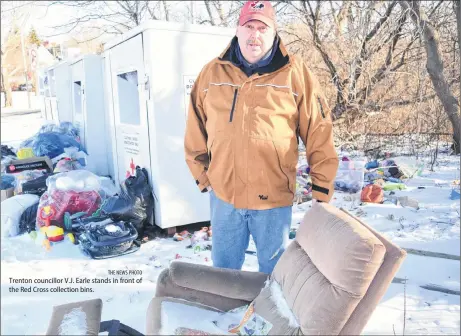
<point x="78" y="97"/>
<point x="128" y="98"/>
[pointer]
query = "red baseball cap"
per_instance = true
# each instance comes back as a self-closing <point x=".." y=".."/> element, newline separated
<point x="258" y="10"/>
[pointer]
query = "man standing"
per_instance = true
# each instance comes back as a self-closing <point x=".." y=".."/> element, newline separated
<point x="247" y="109"/>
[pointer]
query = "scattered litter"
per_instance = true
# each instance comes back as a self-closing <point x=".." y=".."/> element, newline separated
<point x="372" y="193"/>
<point x="350" y="176"/>
<point x="406" y="201"/>
<point x="393" y="186"/>
<point x="181" y="236"/>
<point x="455" y="195"/>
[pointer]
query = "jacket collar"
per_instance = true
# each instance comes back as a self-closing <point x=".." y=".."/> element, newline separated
<point x="279" y="59"/>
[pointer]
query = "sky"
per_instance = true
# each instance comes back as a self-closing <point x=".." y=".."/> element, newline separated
<point x="40" y="16"/>
<point x="43" y="16"/>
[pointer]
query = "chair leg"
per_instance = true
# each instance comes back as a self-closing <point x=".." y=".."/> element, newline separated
<point x="116" y="328"/>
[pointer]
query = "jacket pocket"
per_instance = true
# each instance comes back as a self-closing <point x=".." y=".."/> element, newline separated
<point x="210" y="147"/>
<point x="220" y="172"/>
<point x="233" y="105"/>
<point x="288" y="169"/>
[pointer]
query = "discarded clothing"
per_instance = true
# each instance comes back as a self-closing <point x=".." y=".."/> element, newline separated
<point x="372" y="164"/>
<point x="350" y="187"/>
<point x="8" y="181"/>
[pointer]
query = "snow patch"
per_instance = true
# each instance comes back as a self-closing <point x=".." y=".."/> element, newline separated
<point x="74" y="323"/>
<point x="282" y="305"/>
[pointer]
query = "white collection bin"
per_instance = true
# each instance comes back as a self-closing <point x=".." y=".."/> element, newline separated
<point x="88" y="110"/>
<point x="150" y="71"/>
<point x="63" y="89"/>
<point x="41" y="88"/>
<point x="50" y="94"/>
<point x="57" y="91"/>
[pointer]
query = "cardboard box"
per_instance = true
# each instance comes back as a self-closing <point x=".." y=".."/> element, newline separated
<point x="42" y="162"/>
<point x="7" y="193"/>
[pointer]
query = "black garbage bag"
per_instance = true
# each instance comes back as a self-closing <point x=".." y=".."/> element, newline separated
<point x="27" y="220"/>
<point x="135" y="203"/>
<point x="7" y="151"/>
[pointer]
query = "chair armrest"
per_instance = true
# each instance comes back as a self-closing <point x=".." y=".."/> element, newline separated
<point x="220" y="288"/>
<point x="240" y="285"/>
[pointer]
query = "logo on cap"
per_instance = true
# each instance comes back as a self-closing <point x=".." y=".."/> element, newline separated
<point x="257" y="6"/>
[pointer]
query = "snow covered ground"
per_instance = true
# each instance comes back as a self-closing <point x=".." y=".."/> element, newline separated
<point x="434" y="227"/>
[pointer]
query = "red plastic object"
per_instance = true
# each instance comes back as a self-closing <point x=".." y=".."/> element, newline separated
<point x="47" y="218"/>
<point x="56" y="238"/>
<point x="68" y="201"/>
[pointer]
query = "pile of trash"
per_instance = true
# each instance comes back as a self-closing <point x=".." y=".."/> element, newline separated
<point x="373" y="182"/>
<point x="199" y="241"/>
<point x="303" y="184"/>
<point x="86" y="209"/>
<point x="53" y="149"/>
<point x="48" y="194"/>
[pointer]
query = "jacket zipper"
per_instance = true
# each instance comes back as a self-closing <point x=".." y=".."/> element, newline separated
<point x="321" y="108"/>
<point x="233" y="105"/>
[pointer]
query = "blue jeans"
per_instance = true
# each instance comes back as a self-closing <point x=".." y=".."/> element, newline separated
<point x="231" y="234"/>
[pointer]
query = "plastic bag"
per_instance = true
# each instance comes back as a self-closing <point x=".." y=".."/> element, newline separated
<point x="77" y="191"/>
<point x="72" y="159"/>
<point x="28" y="218"/>
<point x="350" y="176"/>
<point x="26" y="176"/>
<point x="51" y="144"/>
<point x="135" y="202"/>
<point x="8" y="181"/>
<point x="108" y="188"/>
<point x="64" y="127"/>
<point x="8" y="151"/>
<point x="12" y="210"/>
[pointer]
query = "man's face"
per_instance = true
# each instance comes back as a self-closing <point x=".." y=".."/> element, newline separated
<point x="255" y="39"/>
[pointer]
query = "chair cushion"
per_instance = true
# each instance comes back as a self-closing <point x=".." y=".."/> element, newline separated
<point x="76" y="318"/>
<point x="166" y="316"/>
<point x="323" y="275"/>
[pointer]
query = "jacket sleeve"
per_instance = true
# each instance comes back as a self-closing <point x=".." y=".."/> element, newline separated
<point x="316" y="132"/>
<point x="195" y="139"/>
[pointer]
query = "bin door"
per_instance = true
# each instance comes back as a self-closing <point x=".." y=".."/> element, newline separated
<point x="78" y="100"/>
<point x="129" y="101"/>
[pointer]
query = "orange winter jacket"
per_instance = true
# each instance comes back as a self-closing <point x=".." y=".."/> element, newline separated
<point x="242" y="132"/>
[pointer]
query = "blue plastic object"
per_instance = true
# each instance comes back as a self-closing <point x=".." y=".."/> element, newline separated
<point x="52" y="144"/>
<point x="454" y="195"/>
<point x="372" y="165"/>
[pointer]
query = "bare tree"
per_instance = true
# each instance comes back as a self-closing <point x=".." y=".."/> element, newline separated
<point x="435" y="67"/>
<point x="110" y="17"/>
<point x="11" y="14"/>
<point x="359" y="55"/>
